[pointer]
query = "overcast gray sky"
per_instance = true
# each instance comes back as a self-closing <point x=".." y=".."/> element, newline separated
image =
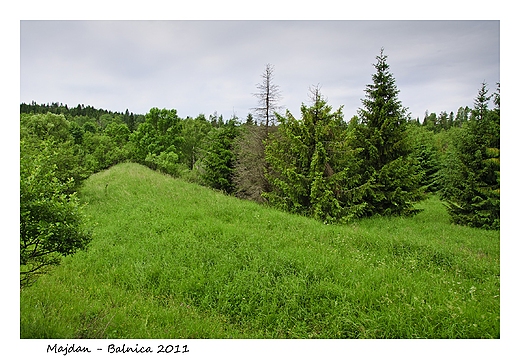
<point x="207" y="66"/>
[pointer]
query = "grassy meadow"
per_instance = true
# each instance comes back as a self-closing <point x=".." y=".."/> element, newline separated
<point x="171" y="259"/>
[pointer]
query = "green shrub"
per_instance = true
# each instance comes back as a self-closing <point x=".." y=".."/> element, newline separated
<point x="51" y="223"/>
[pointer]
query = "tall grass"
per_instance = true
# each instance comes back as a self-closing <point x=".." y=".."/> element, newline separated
<point x="171" y="259"/>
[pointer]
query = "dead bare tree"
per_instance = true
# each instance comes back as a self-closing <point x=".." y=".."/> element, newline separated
<point x="268" y="96"/>
<point x="249" y="146"/>
<point x="250" y="165"/>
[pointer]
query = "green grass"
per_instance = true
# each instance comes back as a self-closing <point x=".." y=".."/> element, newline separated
<point x="171" y="259"/>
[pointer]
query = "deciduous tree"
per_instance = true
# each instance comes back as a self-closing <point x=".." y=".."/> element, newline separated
<point x="159" y="133"/>
<point x="51" y="221"/>
<point x="193" y="133"/>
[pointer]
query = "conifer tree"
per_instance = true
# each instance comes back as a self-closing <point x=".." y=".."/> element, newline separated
<point x="310" y="164"/>
<point x="249" y="146"/>
<point x="390" y="174"/>
<point x="249" y="176"/>
<point x="424" y="150"/>
<point x="268" y="96"/>
<point x="471" y="172"/>
<point x="219" y="161"/>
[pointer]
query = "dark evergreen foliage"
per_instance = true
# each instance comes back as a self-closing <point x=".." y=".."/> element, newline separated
<point x="218" y="163"/>
<point x="427" y="154"/>
<point x="471" y="172"/>
<point x="312" y="170"/>
<point x="389" y="172"/>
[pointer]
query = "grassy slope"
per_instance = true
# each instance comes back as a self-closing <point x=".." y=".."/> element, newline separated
<point x="172" y="259"/>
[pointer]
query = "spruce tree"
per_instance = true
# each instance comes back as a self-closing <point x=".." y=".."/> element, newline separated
<point x="424" y="150"/>
<point x="218" y="164"/>
<point x="310" y="163"/>
<point x="390" y="174"/>
<point x="471" y="172"/>
<point x="249" y="175"/>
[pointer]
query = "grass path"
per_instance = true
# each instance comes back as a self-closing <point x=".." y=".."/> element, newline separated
<point x="171" y="259"/>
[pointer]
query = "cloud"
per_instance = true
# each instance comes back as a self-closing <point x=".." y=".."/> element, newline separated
<point x="206" y="66"/>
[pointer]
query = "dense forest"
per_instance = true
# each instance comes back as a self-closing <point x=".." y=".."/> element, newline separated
<point x="318" y="164"/>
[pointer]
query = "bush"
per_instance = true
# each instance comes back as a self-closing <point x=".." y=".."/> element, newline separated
<point x="51" y="222"/>
<point x="166" y="162"/>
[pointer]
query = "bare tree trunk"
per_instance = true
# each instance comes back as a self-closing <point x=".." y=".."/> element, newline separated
<point x="268" y="98"/>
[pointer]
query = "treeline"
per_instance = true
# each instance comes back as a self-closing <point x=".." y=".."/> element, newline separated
<point x="379" y="162"/>
<point x="82" y="114"/>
